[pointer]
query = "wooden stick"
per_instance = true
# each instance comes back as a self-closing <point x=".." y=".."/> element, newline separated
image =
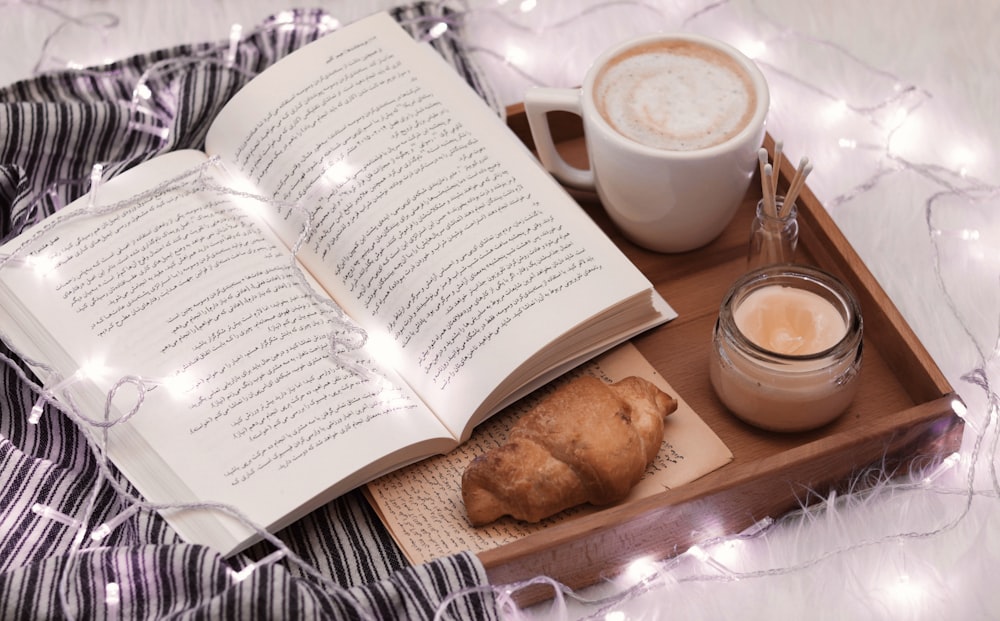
<point x="805" y="167"/>
<point x="779" y="146"/>
<point x="795" y="180"/>
<point x="770" y="204"/>
<point x="762" y="160"/>
<point x="765" y="183"/>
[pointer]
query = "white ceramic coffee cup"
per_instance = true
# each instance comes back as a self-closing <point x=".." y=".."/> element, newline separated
<point x="663" y="199"/>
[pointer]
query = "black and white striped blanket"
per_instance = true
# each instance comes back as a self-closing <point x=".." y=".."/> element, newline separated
<point x="53" y="129"/>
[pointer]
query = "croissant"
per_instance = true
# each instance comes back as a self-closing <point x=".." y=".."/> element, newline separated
<point x="588" y="441"/>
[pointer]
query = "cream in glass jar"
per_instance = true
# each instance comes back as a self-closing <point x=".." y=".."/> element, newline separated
<point x="787" y="347"/>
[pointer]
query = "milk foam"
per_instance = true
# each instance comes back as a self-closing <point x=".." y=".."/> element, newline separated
<point x="675" y="95"/>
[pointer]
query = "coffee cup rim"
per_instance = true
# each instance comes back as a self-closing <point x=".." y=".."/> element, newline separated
<point x="756" y="77"/>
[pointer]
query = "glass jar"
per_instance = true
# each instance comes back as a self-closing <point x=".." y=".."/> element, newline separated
<point x="782" y="391"/>
<point x="773" y="236"/>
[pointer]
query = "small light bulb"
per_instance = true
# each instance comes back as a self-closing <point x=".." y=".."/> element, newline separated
<point x="100" y="532"/>
<point x="105" y="529"/>
<point x="384" y="347"/>
<point x="753" y="49"/>
<point x="235" y="34"/>
<point x="514" y="55"/>
<point x="836" y="110"/>
<point x="36" y="412"/>
<point x="703" y="556"/>
<point x="641" y="569"/>
<point x="43" y="265"/>
<point x="93" y="369"/>
<point x="96" y="174"/>
<point x="729" y="551"/>
<point x="56" y="516"/>
<point x="178" y="384"/>
<point x="958" y="406"/>
<point x="273" y="557"/>
<point x="339" y="173"/>
<point x="243" y="574"/>
<point x="946" y="464"/>
<point x="328" y="22"/>
<point x="437" y="30"/>
<point x="112" y="594"/>
<point x="905" y="591"/>
<point x="698" y="552"/>
<point x="962" y="156"/>
<point x="970" y="234"/>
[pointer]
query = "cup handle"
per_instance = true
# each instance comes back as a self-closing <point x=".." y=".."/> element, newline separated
<point x="538" y="102"/>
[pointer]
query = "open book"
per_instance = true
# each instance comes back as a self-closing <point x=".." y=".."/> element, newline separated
<point x="362" y="170"/>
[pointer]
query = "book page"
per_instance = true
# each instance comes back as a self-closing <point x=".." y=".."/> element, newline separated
<point x="433" y="225"/>
<point x="422" y="506"/>
<point x="182" y="284"/>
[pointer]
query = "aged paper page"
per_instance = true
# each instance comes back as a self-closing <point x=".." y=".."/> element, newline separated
<point x="422" y="504"/>
<point x="432" y="225"/>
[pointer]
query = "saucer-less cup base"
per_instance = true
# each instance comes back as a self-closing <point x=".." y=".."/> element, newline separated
<point x="662" y="199"/>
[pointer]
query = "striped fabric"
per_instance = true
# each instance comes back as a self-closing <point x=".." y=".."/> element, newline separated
<point x="53" y="129"/>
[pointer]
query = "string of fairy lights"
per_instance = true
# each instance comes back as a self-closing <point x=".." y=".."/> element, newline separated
<point x="890" y="115"/>
<point x="714" y="559"/>
<point x="344" y="338"/>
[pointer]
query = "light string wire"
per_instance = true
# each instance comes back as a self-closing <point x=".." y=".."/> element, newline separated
<point x="356" y="336"/>
<point x="536" y="30"/>
<point x="87" y="21"/>
<point x="222" y="54"/>
<point x="345" y="337"/>
<point x="976" y="378"/>
<point x="503" y="593"/>
<point x="98" y="451"/>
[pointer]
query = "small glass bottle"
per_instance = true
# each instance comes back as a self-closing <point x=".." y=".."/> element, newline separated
<point x="786" y="392"/>
<point x="773" y="236"/>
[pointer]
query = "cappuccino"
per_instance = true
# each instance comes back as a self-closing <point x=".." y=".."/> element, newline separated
<point x="673" y="123"/>
<point x="675" y="95"/>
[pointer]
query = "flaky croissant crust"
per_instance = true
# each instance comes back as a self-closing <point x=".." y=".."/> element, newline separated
<point x="588" y="441"/>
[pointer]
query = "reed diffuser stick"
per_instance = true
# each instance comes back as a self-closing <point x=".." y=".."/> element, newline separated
<point x="779" y="147"/>
<point x="805" y="167"/>
<point x="766" y="184"/>
<point x="770" y="199"/>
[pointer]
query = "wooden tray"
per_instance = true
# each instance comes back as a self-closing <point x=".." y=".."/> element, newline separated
<point x="902" y="415"/>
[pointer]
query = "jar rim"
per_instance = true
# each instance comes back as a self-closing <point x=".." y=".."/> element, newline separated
<point x="807" y="277"/>
<point x="790" y="213"/>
